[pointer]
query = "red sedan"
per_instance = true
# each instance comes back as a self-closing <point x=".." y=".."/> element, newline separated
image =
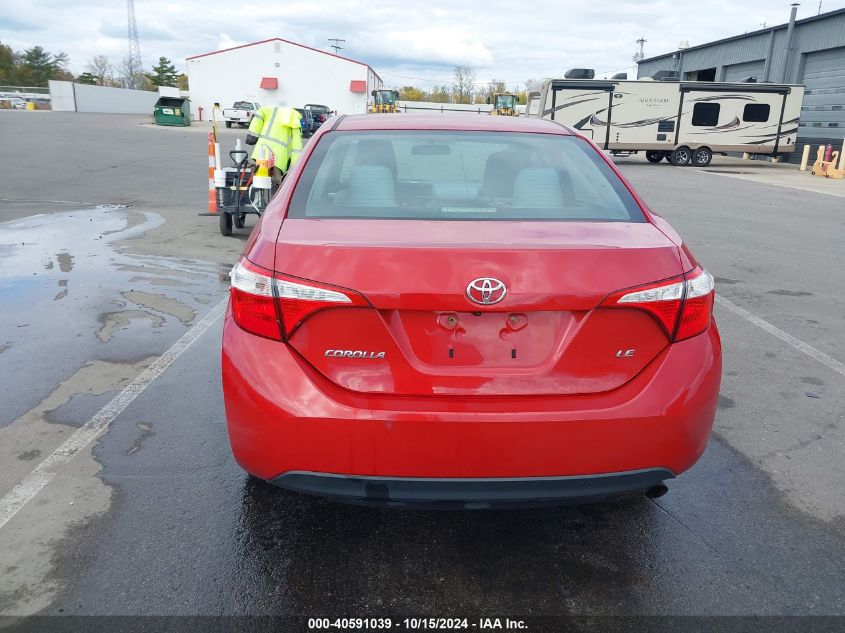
<point x="466" y="310"/>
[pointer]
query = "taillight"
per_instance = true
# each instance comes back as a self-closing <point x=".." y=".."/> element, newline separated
<point x="273" y="305"/>
<point x="299" y="299"/>
<point x="698" y="305"/>
<point x="683" y="306"/>
<point x="253" y="300"/>
<point x="662" y="300"/>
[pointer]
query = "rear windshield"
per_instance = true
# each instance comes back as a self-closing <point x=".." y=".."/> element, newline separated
<point x="434" y="175"/>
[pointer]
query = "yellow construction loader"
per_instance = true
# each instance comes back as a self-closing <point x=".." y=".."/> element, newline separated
<point x="384" y="101"/>
<point x="504" y="105"/>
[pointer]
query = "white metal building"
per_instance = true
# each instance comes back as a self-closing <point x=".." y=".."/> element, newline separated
<point x="279" y="72"/>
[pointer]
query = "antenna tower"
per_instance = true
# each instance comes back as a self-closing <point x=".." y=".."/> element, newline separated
<point x="133" y="61"/>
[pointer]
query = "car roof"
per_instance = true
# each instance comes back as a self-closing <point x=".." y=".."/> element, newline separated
<point x="469" y="121"/>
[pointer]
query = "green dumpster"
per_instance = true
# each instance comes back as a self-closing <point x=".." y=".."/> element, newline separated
<point x="172" y="111"/>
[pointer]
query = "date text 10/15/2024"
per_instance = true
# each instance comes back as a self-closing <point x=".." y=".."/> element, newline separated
<point x="416" y="624"/>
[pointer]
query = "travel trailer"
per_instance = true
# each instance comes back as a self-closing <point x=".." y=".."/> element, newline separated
<point x="684" y="122"/>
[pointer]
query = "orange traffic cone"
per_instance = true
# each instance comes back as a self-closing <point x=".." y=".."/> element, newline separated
<point x="212" y="192"/>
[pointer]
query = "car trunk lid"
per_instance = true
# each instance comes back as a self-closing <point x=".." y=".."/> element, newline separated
<point x="424" y="335"/>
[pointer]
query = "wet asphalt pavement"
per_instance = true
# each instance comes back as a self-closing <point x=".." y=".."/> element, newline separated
<point x="191" y="534"/>
<point x="157" y="519"/>
<point x="65" y="280"/>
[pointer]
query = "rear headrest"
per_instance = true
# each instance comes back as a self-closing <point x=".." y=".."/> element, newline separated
<point x="537" y="188"/>
<point x="372" y="186"/>
<point x="499" y="171"/>
<point x="376" y="152"/>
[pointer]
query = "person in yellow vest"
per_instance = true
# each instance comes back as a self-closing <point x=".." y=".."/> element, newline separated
<point x="278" y="130"/>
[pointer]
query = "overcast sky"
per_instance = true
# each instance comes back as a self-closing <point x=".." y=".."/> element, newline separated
<point x="414" y="43"/>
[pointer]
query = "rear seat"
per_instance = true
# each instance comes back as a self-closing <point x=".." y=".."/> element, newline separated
<point x="371" y="186"/>
<point x="537" y="188"/>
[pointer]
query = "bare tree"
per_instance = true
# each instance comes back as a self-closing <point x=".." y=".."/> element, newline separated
<point x="124" y="74"/>
<point x="486" y="94"/>
<point x="533" y="85"/>
<point x="101" y="69"/>
<point x="439" y="94"/>
<point x="462" y="87"/>
<point x="128" y="76"/>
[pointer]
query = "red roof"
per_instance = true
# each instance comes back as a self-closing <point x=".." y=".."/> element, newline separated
<point x="451" y="121"/>
<point x="279" y="39"/>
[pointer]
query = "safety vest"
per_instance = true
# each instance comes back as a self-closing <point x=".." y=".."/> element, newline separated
<point x="279" y="131"/>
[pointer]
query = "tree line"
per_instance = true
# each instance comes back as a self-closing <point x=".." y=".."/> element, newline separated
<point x="100" y="71"/>
<point x="32" y="67"/>
<point x="35" y="66"/>
<point x="465" y="89"/>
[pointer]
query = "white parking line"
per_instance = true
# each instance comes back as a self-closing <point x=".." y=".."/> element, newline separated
<point x="798" y="344"/>
<point x="34" y="482"/>
<point x="93" y="204"/>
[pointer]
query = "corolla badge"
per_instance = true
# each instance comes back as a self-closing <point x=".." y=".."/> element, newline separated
<point x="486" y="291"/>
<point x="353" y="353"/>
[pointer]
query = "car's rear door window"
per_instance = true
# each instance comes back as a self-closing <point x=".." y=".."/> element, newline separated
<point x="436" y="175"/>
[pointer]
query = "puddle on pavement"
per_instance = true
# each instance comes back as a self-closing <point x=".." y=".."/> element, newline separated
<point x="82" y="316"/>
<point x="70" y="293"/>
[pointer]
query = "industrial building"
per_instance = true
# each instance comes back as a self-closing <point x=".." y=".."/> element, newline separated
<point x="809" y="51"/>
<point x="279" y="72"/>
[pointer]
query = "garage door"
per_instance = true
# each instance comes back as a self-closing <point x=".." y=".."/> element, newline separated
<point x="738" y="72"/>
<point x="823" y="111"/>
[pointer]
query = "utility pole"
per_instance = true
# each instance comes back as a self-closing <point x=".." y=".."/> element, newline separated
<point x="790" y="44"/>
<point x="640" y="55"/>
<point x="335" y="44"/>
<point x="133" y="61"/>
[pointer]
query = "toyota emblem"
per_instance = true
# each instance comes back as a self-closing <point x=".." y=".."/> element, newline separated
<point x="486" y="291"/>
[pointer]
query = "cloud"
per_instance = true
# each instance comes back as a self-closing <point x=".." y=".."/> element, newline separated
<point x="407" y="43"/>
<point x="12" y="23"/>
<point x="445" y="45"/>
<point x="225" y="41"/>
<point x="150" y="32"/>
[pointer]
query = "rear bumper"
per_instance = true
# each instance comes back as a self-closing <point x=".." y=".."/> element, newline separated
<point x="284" y="419"/>
<point x="472" y="493"/>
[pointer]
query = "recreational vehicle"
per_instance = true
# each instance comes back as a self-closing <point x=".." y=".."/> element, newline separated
<point x="684" y="122"/>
